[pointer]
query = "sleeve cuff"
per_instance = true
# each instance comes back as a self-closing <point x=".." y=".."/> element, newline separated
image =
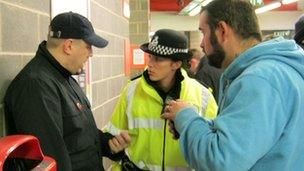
<point x="183" y="116"/>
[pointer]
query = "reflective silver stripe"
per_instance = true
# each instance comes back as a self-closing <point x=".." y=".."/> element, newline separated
<point x="151" y="167"/>
<point x="149" y="123"/>
<point x="139" y="122"/>
<point x="113" y="130"/>
<point x="205" y="98"/>
<point x="130" y="95"/>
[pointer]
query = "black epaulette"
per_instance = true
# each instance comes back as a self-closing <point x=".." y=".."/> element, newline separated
<point x="136" y="76"/>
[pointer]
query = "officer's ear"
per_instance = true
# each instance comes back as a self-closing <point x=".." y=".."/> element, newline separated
<point x="176" y="65"/>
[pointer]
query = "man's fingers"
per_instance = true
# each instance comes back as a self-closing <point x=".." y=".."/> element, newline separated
<point x="120" y="139"/>
<point x="115" y="141"/>
<point x="113" y="146"/>
<point x="125" y="135"/>
<point x="167" y="108"/>
<point x="120" y="142"/>
<point x="124" y="139"/>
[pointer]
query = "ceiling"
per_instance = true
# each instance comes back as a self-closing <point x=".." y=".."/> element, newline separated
<point x="178" y="5"/>
<point x="168" y="5"/>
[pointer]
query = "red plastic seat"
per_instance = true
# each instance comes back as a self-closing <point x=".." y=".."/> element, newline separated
<point x="25" y="147"/>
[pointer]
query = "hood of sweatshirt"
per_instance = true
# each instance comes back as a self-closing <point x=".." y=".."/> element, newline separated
<point x="279" y="49"/>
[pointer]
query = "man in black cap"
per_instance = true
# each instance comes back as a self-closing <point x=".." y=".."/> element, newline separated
<point x="299" y="31"/>
<point x="45" y="101"/>
<point x="142" y="101"/>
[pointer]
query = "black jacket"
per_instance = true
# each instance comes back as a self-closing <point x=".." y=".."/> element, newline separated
<point x="45" y="101"/>
<point x="209" y="76"/>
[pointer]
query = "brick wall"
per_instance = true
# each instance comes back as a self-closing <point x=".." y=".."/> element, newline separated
<point x="139" y="21"/>
<point x="23" y="25"/>
<point x="108" y="63"/>
<point x="139" y="26"/>
<point x="18" y="44"/>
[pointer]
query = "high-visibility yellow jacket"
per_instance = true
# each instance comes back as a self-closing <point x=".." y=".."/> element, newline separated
<point x="138" y="111"/>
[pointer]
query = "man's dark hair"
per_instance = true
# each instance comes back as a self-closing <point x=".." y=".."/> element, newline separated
<point x="238" y="14"/>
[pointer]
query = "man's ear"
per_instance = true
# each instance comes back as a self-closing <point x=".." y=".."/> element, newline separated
<point x="67" y="46"/>
<point x="223" y="31"/>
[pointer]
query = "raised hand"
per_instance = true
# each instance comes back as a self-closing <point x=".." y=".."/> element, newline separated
<point x="172" y="108"/>
<point x="120" y="142"/>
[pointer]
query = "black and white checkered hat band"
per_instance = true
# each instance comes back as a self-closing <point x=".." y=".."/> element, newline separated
<point x="164" y="50"/>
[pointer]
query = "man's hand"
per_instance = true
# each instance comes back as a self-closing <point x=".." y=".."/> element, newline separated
<point x="120" y="142"/>
<point x="172" y="108"/>
<point x="170" y="113"/>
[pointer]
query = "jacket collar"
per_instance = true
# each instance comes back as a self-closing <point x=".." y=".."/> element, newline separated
<point x="44" y="53"/>
<point x="174" y="92"/>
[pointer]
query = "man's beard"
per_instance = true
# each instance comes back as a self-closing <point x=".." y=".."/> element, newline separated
<point x="217" y="57"/>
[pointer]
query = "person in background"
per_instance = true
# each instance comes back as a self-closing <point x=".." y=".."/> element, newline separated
<point x="44" y="99"/>
<point x="261" y="113"/>
<point x="299" y="31"/>
<point x="206" y="74"/>
<point x="143" y="99"/>
<point x="269" y="37"/>
<point x="194" y="61"/>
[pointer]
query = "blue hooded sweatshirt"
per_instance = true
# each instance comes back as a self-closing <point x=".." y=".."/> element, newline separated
<point x="260" y="123"/>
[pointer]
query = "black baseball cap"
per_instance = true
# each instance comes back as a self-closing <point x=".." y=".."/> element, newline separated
<point x="72" y="25"/>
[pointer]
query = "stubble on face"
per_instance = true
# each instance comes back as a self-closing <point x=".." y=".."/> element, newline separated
<point x="217" y="57"/>
<point x="214" y="51"/>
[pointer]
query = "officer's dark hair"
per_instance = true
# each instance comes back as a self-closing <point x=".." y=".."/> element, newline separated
<point x="185" y="63"/>
<point x="238" y="14"/>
